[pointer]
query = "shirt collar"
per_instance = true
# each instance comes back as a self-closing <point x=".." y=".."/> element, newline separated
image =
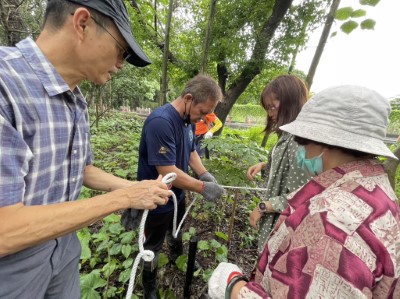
<point x="52" y="81"/>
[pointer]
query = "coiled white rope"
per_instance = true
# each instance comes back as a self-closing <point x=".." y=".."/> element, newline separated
<point x="148" y="255"/>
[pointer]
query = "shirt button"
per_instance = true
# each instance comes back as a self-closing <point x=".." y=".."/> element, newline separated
<point x="74" y="152"/>
<point x="73" y="179"/>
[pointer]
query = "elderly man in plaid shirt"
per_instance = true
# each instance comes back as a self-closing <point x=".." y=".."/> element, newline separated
<point x="45" y="154"/>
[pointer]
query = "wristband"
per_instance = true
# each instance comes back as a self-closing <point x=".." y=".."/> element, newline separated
<point x="202" y="188"/>
<point x="232" y="275"/>
<point x="232" y="283"/>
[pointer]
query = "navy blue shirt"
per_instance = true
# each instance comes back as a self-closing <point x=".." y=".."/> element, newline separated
<point x="165" y="141"/>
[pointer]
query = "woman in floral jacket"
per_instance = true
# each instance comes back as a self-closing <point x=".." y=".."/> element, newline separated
<point x="340" y="235"/>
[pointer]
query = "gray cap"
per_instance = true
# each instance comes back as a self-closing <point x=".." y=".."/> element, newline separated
<point x="347" y="116"/>
<point x="116" y="10"/>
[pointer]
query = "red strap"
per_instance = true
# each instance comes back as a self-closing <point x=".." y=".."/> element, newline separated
<point x="232" y="275"/>
<point x="202" y="188"/>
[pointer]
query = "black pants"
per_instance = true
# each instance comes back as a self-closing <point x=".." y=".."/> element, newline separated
<point x="158" y="225"/>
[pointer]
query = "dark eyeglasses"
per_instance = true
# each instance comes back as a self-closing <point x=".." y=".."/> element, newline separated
<point x="271" y="108"/>
<point x="125" y="53"/>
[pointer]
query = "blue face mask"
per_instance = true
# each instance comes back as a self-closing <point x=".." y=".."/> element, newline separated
<point x="313" y="166"/>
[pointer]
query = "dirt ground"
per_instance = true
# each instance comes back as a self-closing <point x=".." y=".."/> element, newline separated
<point x="242" y="247"/>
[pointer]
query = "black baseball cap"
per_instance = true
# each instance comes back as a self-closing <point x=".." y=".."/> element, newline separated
<point x="116" y="10"/>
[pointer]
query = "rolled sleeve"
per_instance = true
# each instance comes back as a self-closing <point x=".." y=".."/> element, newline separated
<point x="15" y="156"/>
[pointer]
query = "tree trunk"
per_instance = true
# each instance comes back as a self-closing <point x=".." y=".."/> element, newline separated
<point x="164" y="79"/>
<point x="321" y="44"/>
<point x="265" y="140"/>
<point x="11" y="21"/>
<point x="208" y="36"/>
<point x="296" y="50"/>
<point x="256" y="62"/>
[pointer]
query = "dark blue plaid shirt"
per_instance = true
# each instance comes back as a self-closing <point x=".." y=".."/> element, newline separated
<point x="44" y="130"/>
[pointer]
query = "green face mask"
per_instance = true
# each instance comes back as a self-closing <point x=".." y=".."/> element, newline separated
<point x="313" y="166"/>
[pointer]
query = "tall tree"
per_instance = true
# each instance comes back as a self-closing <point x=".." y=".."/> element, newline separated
<point x="12" y="21"/>
<point x="255" y="64"/>
<point x="347" y="14"/>
<point x="249" y="38"/>
<point x="164" y="77"/>
<point x="321" y="44"/>
<point x="207" y="38"/>
<point x="19" y="19"/>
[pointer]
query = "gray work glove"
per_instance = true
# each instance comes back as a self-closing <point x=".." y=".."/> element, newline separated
<point x="212" y="191"/>
<point x="207" y="177"/>
<point x="131" y="219"/>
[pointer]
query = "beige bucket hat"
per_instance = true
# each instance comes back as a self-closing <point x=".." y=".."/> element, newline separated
<point x="347" y="116"/>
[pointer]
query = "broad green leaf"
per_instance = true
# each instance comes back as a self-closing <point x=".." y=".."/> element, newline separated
<point x="112" y="218"/>
<point x="121" y="173"/>
<point x="222" y="235"/>
<point x="111" y="292"/>
<point x="84" y="238"/>
<point x="203" y="245"/>
<point x="186" y="236"/>
<point x="344" y="13"/>
<point x="349" y="26"/>
<point x="192" y="230"/>
<point x="167" y="294"/>
<point x="126" y="250"/>
<point x="162" y="260"/>
<point x="181" y="262"/>
<point x="215" y="243"/>
<point x="207" y="274"/>
<point x="127" y="237"/>
<point x="93" y="261"/>
<point x="110" y="267"/>
<point x="369" y="2"/>
<point x="100" y="237"/>
<point x="89" y="283"/>
<point x="222" y="254"/>
<point x="116" y="249"/>
<point x="368" y="24"/>
<point x="127" y="263"/>
<point x="358" y="13"/>
<point x="104" y="246"/>
<point x="116" y="228"/>
<point x="124" y="275"/>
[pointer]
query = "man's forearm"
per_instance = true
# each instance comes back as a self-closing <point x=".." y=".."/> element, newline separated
<point x="25" y="226"/>
<point x="196" y="164"/>
<point x="97" y="179"/>
<point x="183" y="180"/>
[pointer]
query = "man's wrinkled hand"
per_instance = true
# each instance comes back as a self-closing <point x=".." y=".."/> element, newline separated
<point x="147" y="194"/>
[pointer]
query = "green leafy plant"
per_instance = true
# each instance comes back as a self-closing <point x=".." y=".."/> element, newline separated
<point x="108" y="251"/>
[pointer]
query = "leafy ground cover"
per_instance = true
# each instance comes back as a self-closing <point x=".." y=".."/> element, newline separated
<point x="108" y="251"/>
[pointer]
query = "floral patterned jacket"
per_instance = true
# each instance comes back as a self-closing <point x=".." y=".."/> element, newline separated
<point x="338" y="238"/>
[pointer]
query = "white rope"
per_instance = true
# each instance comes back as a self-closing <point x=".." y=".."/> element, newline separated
<point x="148" y="255"/>
<point x="244" y="188"/>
